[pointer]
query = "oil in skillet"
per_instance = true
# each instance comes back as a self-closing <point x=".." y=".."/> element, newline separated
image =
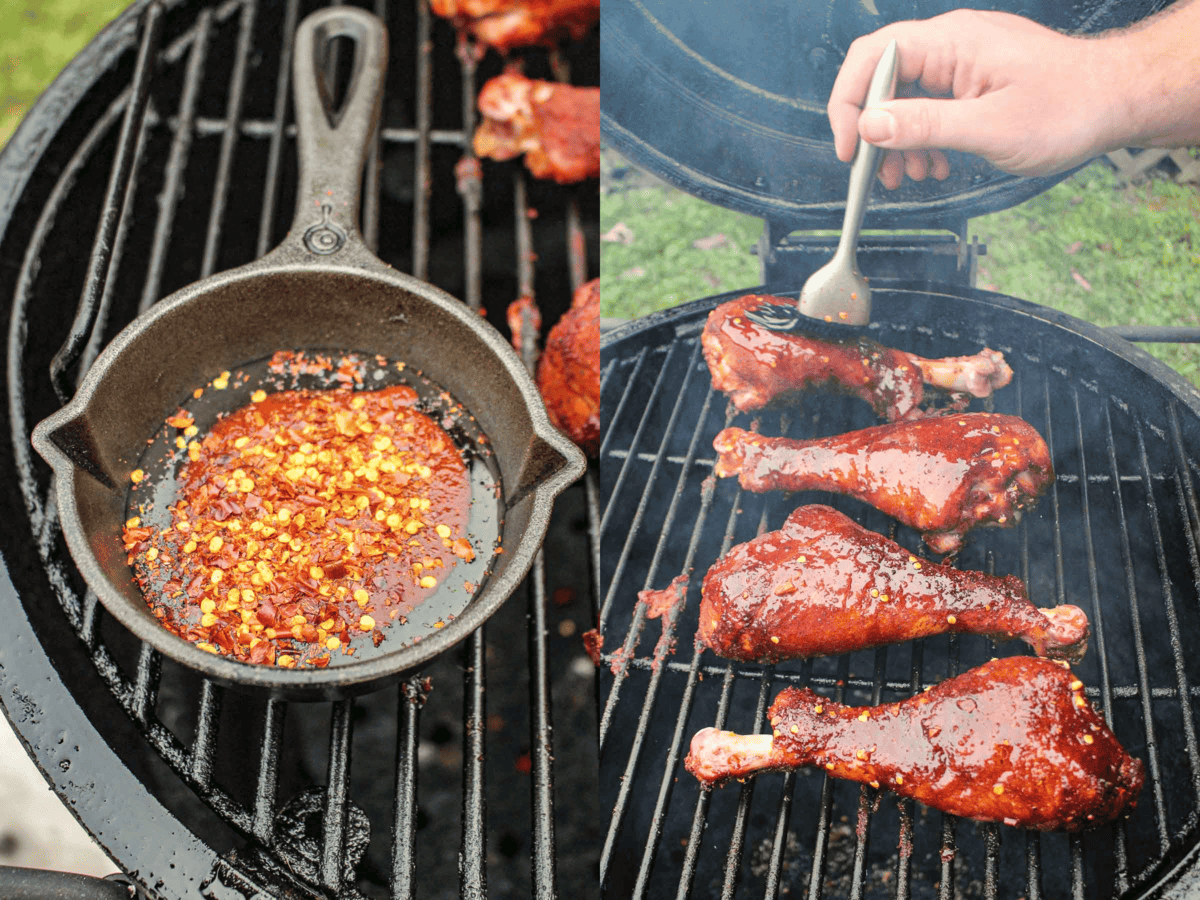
<point x="399" y="623"/>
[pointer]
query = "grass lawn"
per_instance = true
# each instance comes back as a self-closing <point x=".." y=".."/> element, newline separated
<point x="1109" y="254"/>
<point x="38" y="38"/>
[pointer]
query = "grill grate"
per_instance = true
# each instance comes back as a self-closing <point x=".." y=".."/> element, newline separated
<point x="1116" y="535"/>
<point x="191" y="114"/>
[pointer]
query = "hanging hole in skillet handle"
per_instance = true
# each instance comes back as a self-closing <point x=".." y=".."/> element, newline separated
<point x="334" y="128"/>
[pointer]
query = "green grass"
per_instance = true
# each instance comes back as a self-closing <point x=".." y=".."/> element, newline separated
<point x="38" y="38"/>
<point x="660" y="266"/>
<point x="1109" y="254"/>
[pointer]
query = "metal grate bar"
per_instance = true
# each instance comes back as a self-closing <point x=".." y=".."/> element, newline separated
<point x="524" y="236"/>
<point x="779" y="841"/>
<point x="1033" y="866"/>
<point x="470" y="184"/>
<point x="737" y="839"/>
<point x="233" y="110"/>
<point x="113" y="206"/>
<point x="264" y="129"/>
<point x="1097" y="624"/>
<point x="816" y="879"/>
<point x="665" y="786"/>
<point x="866" y="794"/>
<point x="576" y="246"/>
<point x="633" y="379"/>
<point x="472" y="871"/>
<point x="949" y="823"/>
<point x="205" y="744"/>
<point x="1078" y="891"/>
<point x="592" y="492"/>
<point x="96" y="338"/>
<point x="181" y="145"/>
<point x="541" y="738"/>
<point x="668" y="779"/>
<point x="373" y="182"/>
<point x="145" y="685"/>
<point x="1139" y="646"/>
<point x="404" y="828"/>
<point x="1168" y="594"/>
<point x="639" y="616"/>
<point x="337" y="801"/>
<point x="283" y="96"/>
<point x="635" y="752"/>
<point x="905" y="837"/>
<point x="691" y="855"/>
<point x="263" y="823"/>
<point x="623" y="475"/>
<point x="541" y="728"/>
<point x="422" y="179"/>
<point x="991" y="865"/>
<point x="1033" y="846"/>
<point x="89" y="621"/>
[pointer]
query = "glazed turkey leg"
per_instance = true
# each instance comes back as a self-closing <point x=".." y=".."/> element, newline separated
<point x="943" y="476"/>
<point x="824" y="585"/>
<point x="1011" y="741"/>
<point x="757" y="367"/>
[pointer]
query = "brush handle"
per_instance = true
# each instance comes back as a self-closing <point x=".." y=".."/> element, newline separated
<point x="867" y="157"/>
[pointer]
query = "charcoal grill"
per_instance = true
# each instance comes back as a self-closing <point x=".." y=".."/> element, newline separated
<point x="1116" y="535"/>
<point x="165" y="150"/>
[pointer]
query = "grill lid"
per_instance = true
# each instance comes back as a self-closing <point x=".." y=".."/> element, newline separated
<point x="727" y="102"/>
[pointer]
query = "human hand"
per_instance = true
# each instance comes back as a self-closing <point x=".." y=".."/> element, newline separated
<point x="1026" y="98"/>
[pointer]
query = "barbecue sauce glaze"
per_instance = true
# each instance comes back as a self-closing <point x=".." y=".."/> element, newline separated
<point x="941" y="476"/>
<point x="1014" y="740"/>
<point x="824" y="585"/>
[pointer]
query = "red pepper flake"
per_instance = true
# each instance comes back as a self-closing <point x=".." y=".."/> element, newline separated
<point x="294" y="507"/>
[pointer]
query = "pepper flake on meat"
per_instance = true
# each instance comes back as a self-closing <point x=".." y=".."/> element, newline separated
<point x="304" y="521"/>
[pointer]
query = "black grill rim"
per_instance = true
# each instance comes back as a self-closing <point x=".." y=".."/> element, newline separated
<point x="662" y="333"/>
<point x="159" y="865"/>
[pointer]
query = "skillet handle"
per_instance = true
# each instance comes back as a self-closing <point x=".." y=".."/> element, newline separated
<point x="332" y="144"/>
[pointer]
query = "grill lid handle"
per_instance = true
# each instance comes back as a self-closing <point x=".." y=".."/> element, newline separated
<point x="332" y="142"/>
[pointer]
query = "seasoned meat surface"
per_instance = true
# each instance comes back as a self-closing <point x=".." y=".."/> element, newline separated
<point x="556" y="126"/>
<point x="824" y="585"/>
<point x="568" y="373"/>
<point x="759" y="367"/>
<point x="943" y="476"/>
<point x="505" y="24"/>
<point x="1014" y="740"/>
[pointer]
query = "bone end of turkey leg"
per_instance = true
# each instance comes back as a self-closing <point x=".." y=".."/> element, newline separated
<point x="1066" y="634"/>
<point x="716" y="755"/>
<point x="979" y="375"/>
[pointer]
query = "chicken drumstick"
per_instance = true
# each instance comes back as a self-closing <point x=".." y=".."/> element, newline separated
<point x="943" y="476"/>
<point x="824" y="585"/>
<point x="505" y="24"/>
<point x="556" y="126"/>
<point x="756" y="366"/>
<point x="1014" y="740"/>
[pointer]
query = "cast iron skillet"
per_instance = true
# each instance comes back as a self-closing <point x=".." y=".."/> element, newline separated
<point x="321" y="289"/>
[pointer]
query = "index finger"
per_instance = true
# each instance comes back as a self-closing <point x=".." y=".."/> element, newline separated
<point x="850" y="88"/>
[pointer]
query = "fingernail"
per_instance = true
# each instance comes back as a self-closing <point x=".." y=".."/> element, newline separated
<point x="877" y="125"/>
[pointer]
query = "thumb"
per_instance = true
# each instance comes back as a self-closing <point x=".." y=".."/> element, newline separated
<point x="921" y="123"/>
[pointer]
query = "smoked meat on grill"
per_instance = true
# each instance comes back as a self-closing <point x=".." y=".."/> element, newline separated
<point x="824" y="585"/>
<point x="758" y="367"/>
<point x="1014" y="740"/>
<point x="941" y="475"/>
<point x="556" y="126"/>
<point x="506" y="24"/>
<point x="568" y="374"/>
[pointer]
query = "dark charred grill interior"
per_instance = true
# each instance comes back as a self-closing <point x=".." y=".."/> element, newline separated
<point x="164" y="154"/>
<point x="1116" y="535"/>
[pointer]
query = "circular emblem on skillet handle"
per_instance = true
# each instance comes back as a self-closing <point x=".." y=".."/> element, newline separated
<point x="325" y="238"/>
